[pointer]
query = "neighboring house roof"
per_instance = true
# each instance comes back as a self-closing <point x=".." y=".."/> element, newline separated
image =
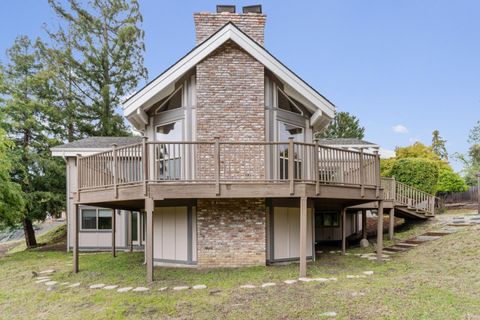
<point x="134" y="107"/>
<point x="345" y="141"/>
<point x="92" y="145"/>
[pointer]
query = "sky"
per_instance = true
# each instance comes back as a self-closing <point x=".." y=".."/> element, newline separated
<point x="404" y="68"/>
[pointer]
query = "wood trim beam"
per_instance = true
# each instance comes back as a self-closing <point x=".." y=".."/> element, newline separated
<point x="75" y="223"/>
<point x="344" y="230"/>
<point x="114" y="214"/>
<point x="391" y="224"/>
<point x="364" y="224"/>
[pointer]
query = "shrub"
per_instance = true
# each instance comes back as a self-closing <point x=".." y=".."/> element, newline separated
<point x="417" y="172"/>
<point x="449" y="181"/>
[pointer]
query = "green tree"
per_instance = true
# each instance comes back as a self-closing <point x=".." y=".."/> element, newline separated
<point x="11" y="199"/>
<point x="416" y="150"/>
<point x="344" y="125"/>
<point x="471" y="164"/>
<point x="28" y="119"/>
<point x="439" y="145"/>
<point x="104" y="58"/>
<point x="450" y="181"/>
<point x="474" y="136"/>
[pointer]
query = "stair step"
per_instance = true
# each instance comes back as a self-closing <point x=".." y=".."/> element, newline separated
<point x="394" y="249"/>
<point x="415" y="241"/>
<point x="437" y="233"/>
<point x="406" y="245"/>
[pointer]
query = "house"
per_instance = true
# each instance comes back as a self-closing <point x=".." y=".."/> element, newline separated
<point x="227" y="173"/>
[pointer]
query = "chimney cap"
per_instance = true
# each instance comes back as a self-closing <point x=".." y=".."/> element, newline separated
<point x="252" y="9"/>
<point x="226" y="8"/>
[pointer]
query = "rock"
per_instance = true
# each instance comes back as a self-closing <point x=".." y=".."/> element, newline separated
<point x="64" y="283"/>
<point x="163" y="289"/>
<point x="34" y="274"/>
<point x="333" y="279"/>
<point x="331" y="252"/>
<point x="51" y="283"/>
<point x="125" y="289"/>
<point x="247" y="286"/>
<point x="199" y="287"/>
<point x="42" y="280"/>
<point x="329" y="314"/>
<point x="290" y="281"/>
<point x="180" y="288"/>
<point x="140" y="289"/>
<point x="364" y="243"/>
<point x="74" y="285"/>
<point x="320" y="279"/>
<point x="47" y="271"/>
<point x="268" y="284"/>
<point x="350" y="276"/>
<point x="368" y="273"/>
<point x="305" y="279"/>
<point x="111" y="287"/>
<point x="97" y="286"/>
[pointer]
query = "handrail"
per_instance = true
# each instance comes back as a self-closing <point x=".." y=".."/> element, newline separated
<point x="222" y="162"/>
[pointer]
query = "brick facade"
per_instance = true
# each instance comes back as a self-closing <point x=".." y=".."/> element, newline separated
<point x="231" y="106"/>
<point x="231" y="232"/>
<point x="207" y="23"/>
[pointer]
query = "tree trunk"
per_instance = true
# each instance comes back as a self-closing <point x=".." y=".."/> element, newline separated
<point x="29" y="233"/>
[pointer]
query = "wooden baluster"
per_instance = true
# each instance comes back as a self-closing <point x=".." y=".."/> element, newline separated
<point x="115" y="170"/>
<point x="291" y="165"/>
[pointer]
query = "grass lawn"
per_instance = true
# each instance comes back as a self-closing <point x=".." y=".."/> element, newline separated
<point x="437" y="280"/>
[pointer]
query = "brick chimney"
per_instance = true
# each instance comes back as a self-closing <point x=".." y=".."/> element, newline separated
<point x="207" y="23"/>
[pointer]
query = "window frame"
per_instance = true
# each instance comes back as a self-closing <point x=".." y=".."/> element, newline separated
<point x="96" y="229"/>
<point x="300" y="112"/>
<point x="180" y="88"/>
<point x="332" y="214"/>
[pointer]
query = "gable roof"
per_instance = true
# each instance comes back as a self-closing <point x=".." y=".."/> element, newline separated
<point x="92" y="145"/>
<point x="323" y="110"/>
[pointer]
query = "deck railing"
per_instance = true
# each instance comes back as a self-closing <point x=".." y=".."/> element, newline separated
<point x="219" y="162"/>
<point x="407" y="195"/>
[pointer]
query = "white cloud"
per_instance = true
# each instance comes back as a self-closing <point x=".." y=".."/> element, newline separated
<point x="386" y="153"/>
<point x="399" y="128"/>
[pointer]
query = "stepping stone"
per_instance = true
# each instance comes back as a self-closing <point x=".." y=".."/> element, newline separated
<point x="163" y="289"/>
<point x="51" y="283"/>
<point x="328" y="314"/>
<point x="140" y="289"/>
<point x="427" y="238"/>
<point x="248" y="286"/>
<point x="290" y="281"/>
<point x="331" y="252"/>
<point x="199" y="287"/>
<point x="268" y="284"/>
<point x="368" y="273"/>
<point x="64" y="283"/>
<point x="47" y="271"/>
<point x="180" y="288"/>
<point x="305" y="279"/>
<point x="406" y="245"/>
<point x="111" y="287"/>
<point x="320" y="279"/>
<point x="333" y="279"/>
<point x="125" y="289"/>
<point x="74" y="285"/>
<point x="42" y="280"/>
<point x="97" y="286"/>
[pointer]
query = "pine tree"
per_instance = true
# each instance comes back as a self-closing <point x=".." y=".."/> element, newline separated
<point x="27" y="122"/>
<point x="439" y="145"/>
<point x="344" y="125"/>
<point x="103" y="59"/>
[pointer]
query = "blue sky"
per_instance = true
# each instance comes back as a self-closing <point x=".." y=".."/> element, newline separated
<point x="405" y="68"/>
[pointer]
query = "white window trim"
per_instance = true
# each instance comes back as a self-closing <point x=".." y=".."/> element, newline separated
<point x="292" y="124"/>
<point x="96" y="215"/>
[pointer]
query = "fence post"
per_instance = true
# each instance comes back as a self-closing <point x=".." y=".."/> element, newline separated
<point x="377" y="173"/>
<point x="291" y="165"/>
<point x="362" y="175"/>
<point x="217" y="165"/>
<point x="315" y="167"/>
<point x="115" y="170"/>
<point x="145" y="164"/>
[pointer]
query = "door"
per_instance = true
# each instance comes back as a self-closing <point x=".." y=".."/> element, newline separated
<point x="171" y="235"/>
<point x="168" y="155"/>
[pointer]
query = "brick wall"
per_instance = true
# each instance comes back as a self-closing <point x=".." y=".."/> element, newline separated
<point x="231" y="232"/>
<point x="207" y="24"/>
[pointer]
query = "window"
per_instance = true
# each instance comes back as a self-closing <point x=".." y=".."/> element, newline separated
<point x="173" y="101"/>
<point x="328" y="219"/>
<point x="287" y="103"/>
<point x="285" y="131"/>
<point x="168" y="156"/>
<point x="96" y="219"/>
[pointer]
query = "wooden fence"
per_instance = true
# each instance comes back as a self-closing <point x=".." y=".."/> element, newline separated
<point x="468" y="196"/>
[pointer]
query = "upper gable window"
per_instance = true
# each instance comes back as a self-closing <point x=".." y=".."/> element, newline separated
<point x="173" y="101"/>
<point x="286" y="103"/>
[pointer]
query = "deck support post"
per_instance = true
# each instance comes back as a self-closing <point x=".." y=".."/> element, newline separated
<point x="391" y="224"/>
<point x="303" y="237"/>
<point x="130" y="230"/>
<point x="75" y="239"/>
<point x="149" y="206"/>
<point x="364" y="224"/>
<point x="114" y="213"/>
<point x="380" y="231"/>
<point x="291" y="165"/>
<point x="344" y="230"/>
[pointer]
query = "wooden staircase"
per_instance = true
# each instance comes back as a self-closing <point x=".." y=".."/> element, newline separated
<point x="408" y="202"/>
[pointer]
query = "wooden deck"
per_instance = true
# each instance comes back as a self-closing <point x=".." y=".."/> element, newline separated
<point x="125" y="176"/>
